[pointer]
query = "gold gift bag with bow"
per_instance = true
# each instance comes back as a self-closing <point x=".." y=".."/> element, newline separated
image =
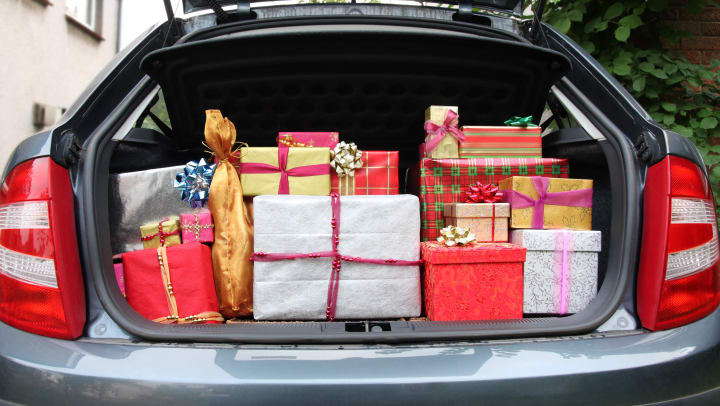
<point x="233" y="229"/>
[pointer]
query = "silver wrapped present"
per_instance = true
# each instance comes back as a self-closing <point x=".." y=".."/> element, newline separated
<point x="561" y="269"/>
<point x="141" y="197"/>
<point x="380" y="227"/>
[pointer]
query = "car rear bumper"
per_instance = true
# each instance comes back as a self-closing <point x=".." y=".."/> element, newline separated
<point x="632" y="368"/>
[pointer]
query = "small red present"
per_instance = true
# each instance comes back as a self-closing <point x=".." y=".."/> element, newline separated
<point x="172" y="284"/>
<point x="473" y="282"/>
<point x="377" y="176"/>
<point x="308" y="139"/>
<point x="197" y="226"/>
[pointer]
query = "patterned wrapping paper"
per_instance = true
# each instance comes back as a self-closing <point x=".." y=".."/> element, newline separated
<point x="488" y="225"/>
<point x="545" y="284"/>
<point x="190" y="275"/>
<point x="378" y="176"/>
<point x="445" y="181"/>
<point x="162" y="233"/>
<point x="197" y="226"/>
<point x="476" y="282"/>
<point x="576" y="217"/>
<point x="370" y="227"/>
<point x="256" y="184"/>
<point x="308" y="139"/>
<point x="448" y="147"/>
<point x="501" y="142"/>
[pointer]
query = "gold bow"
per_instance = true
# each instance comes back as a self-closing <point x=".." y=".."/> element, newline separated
<point x="345" y="158"/>
<point x="459" y="236"/>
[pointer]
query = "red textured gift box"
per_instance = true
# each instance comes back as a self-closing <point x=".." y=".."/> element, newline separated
<point x="190" y="274"/>
<point x="378" y="176"/>
<point x="482" y="281"/>
<point x="444" y="181"/>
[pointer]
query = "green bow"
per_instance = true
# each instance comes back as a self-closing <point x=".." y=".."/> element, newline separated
<point x="516" y="121"/>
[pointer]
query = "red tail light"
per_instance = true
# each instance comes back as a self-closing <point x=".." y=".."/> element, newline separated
<point x="41" y="286"/>
<point x="678" y="281"/>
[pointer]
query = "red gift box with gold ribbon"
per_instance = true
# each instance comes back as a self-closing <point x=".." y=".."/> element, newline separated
<point x="172" y="284"/>
<point x="480" y="281"/>
<point x="377" y="176"/>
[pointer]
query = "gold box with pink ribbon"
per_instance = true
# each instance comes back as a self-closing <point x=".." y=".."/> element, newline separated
<point x="545" y="203"/>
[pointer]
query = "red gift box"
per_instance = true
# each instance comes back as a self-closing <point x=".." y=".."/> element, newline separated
<point x="378" y="176"/>
<point x="444" y="181"/>
<point x="172" y="284"/>
<point x="475" y="282"/>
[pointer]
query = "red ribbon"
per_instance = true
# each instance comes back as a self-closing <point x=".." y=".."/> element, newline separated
<point x="435" y="133"/>
<point x="161" y="233"/>
<point x="284" y="187"/>
<point x="334" y="283"/>
<point x="483" y="193"/>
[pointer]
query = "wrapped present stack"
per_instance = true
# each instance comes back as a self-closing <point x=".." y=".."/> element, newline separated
<point x="312" y="227"/>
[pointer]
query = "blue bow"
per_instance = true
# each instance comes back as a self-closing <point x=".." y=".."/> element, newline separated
<point x="194" y="182"/>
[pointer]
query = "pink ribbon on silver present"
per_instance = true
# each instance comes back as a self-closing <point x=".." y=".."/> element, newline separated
<point x="571" y="198"/>
<point x="563" y="262"/>
<point x="436" y="133"/>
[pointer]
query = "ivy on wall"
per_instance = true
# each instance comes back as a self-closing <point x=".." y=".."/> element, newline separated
<point x="629" y="38"/>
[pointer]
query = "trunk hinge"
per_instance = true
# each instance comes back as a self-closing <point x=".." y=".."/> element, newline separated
<point x="241" y="13"/>
<point x="69" y="149"/>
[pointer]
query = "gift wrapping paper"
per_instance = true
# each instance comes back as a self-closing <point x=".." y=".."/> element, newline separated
<point x="481" y="281"/>
<point x="378" y="176"/>
<point x="557" y="280"/>
<point x="256" y="184"/>
<point x="190" y="275"/>
<point x="448" y="147"/>
<point x="443" y="181"/>
<point x="567" y="203"/>
<point x="162" y="233"/>
<point x="370" y="227"/>
<point x="488" y="225"/>
<point x="137" y="198"/>
<point x="308" y="139"/>
<point x="197" y="226"/>
<point x="501" y="142"/>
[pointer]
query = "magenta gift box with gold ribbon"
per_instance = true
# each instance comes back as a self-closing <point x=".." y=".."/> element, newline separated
<point x="560" y="271"/>
<point x="197" y="226"/>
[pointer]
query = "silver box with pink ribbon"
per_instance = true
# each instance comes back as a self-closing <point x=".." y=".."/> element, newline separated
<point x="561" y="269"/>
<point x="332" y="257"/>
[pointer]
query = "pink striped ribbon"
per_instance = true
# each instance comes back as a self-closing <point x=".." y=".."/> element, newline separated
<point x="284" y="187"/>
<point x="563" y="258"/>
<point x="334" y="283"/>
<point x="572" y="198"/>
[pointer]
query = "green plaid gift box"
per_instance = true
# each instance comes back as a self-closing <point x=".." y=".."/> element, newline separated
<point x="446" y="180"/>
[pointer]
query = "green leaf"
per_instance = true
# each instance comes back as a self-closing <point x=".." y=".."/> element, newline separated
<point x="622" y="59"/>
<point x="670" y="107"/>
<point x="602" y="26"/>
<point x="682" y="130"/>
<point x="632" y="21"/>
<point x="588" y="46"/>
<point x="639" y="84"/>
<point x="706" y="74"/>
<point x="714" y="63"/>
<point x="669" y="119"/>
<point x="614" y="11"/>
<point x="575" y="15"/>
<point x="695" y="82"/>
<point x="590" y="26"/>
<point x="622" y="70"/>
<point x="659" y="73"/>
<point x="622" y="33"/>
<point x="670" y="68"/>
<point x="657" y="5"/>
<point x="561" y="22"/>
<point x="639" y="10"/>
<point x="695" y="6"/>
<point x="704" y="113"/>
<point x="646" y="67"/>
<point x="709" y="123"/>
<point x="652" y="94"/>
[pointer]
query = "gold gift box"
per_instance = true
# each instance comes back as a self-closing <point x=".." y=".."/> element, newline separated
<point x="170" y="231"/>
<point x="255" y="184"/>
<point x="448" y="146"/>
<point x="555" y="216"/>
<point x="478" y="217"/>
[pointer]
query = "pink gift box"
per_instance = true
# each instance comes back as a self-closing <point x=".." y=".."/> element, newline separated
<point x="120" y="277"/>
<point x="308" y="139"/>
<point x="197" y="226"/>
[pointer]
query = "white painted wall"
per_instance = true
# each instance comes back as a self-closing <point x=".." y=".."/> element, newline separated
<point x="45" y="58"/>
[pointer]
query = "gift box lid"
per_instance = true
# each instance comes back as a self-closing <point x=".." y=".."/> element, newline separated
<point x="438" y="253"/>
<point x="475" y="210"/>
<point x="546" y="240"/>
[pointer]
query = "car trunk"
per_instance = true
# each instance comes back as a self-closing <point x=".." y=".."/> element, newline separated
<point x="371" y="82"/>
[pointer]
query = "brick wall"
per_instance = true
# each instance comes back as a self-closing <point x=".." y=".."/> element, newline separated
<point x="704" y="44"/>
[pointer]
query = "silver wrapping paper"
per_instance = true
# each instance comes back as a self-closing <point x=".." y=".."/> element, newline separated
<point x="540" y="274"/>
<point x="141" y="197"/>
<point x="370" y="227"/>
